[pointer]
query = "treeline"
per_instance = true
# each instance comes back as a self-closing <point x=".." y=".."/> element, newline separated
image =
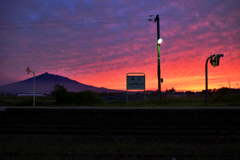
<point x="228" y="96"/>
<point x="63" y="97"/>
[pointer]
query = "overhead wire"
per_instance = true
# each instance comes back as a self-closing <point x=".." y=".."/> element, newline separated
<point x="102" y="20"/>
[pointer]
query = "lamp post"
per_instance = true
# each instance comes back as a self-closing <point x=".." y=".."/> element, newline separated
<point x="214" y="60"/>
<point x="160" y="80"/>
<point x="28" y="70"/>
<point x="34" y="89"/>
<point x="159" y="41"/>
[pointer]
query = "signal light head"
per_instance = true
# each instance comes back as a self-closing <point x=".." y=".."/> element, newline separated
<point x="214" y="59"/>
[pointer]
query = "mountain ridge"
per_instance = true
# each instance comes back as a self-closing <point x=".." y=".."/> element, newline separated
<point x="45" y="84"/>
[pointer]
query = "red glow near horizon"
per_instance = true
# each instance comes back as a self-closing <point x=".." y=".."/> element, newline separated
<point x="184" y="74"/>
<point x="100" y="47"/>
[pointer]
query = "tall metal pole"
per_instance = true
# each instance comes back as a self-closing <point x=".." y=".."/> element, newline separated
<point x="206" y="80"/>
<point x="158" y="52"/>
<point x="34" y="89"/>
<point x="214" y="60"/>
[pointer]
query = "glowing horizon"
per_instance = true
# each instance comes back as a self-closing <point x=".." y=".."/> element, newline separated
<point x="100" y="47"/>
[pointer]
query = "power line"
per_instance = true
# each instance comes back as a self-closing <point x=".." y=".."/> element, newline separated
<point x="81" y="21"/>
<point x="107" y="20"/>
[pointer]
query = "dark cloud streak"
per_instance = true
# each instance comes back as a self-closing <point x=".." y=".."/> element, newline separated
<point x="89" y="36"/>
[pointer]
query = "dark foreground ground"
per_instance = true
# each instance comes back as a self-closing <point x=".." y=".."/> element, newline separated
<point x="187" y="133"/>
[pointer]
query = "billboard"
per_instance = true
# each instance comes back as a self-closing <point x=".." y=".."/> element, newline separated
<point x="135" y="81"/>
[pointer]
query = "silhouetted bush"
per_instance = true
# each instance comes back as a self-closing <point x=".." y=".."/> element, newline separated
<point x="86" y="98"/>
<point x="60" y="94"/>
<point x="170" y="91"/>
<point x="227" y="96"/>
<point x="63" y="97"/>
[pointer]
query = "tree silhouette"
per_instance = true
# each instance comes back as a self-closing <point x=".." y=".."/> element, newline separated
<point x="60" y="94"/>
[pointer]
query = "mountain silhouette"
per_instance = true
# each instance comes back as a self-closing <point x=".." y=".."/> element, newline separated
<point x="45" y="84"/>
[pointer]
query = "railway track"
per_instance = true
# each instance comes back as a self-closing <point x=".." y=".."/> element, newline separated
<point x="197" y="122"/>
<point x="199" y="125"/>
<point x="111" y="156"/>
<point x="206" y="129"/>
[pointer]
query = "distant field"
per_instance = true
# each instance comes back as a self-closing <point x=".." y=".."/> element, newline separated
<point x="149" y="101"/>
<point x="26" y="101"/>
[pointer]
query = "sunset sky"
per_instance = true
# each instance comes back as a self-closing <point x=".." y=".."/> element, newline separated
<point x="97" y="42"/>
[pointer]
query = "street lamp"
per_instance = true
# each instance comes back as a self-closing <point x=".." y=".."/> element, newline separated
<point x="214" y="60"/>
<point x="159" y="41"/>
<point x="28" y="70"/>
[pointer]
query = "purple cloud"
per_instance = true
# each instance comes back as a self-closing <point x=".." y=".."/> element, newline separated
<point x="84" y="37"/>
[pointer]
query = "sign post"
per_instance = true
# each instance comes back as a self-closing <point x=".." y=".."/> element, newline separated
<point x="135" y="81"/>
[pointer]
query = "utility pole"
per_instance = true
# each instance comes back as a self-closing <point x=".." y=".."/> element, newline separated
<point x="34" y="89"/>
<point x="158" y="50"/>
<point x="159" y="41"/>
<point x="28" y="70"/>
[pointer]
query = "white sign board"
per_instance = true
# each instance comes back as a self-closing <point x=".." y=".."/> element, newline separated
<point x="135" y="82"/>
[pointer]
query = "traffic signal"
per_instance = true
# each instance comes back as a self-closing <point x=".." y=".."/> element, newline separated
<point x="214" y="60"/>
